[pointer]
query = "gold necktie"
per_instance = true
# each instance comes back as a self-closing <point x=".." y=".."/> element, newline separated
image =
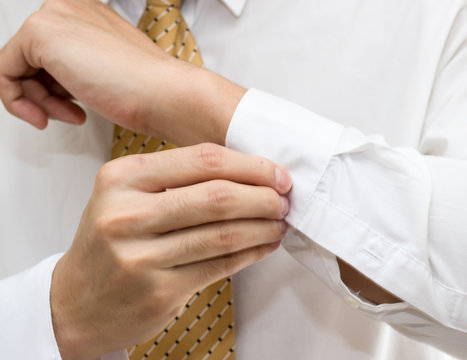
<point x="205" y="328"/>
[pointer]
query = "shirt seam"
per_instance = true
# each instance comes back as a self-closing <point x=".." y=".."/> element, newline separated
<point x="387" y="242"/>
<point x="309" y="198"/>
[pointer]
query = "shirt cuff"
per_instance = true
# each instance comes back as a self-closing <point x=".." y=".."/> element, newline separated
<point x="26" y="330"/>
<point x="260" y="118"/>
<point x="305" y="144"/>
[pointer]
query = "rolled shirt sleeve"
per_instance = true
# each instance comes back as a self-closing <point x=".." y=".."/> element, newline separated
<point x="396" y="215"/>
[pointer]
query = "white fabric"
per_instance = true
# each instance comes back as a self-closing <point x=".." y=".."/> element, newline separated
<point x="236" y="6"/>
<point x="391" y="204"/>
<point x="25" y="314"/>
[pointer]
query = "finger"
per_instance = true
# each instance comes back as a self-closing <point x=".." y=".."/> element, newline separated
<point x="211" y="201"/>
<point x="202" y="274"/>
<point x="141" y="215"/>
<point x="195" y="164"/>
<point x="53" y="87"/>
<point x="213" y="240"/>
<point x="55" y="107"/>
<point x="14" y="66"/>
<point x="26" y="110"/>
<point x="12" y="95"/>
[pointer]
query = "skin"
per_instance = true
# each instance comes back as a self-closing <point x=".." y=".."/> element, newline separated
<point x="126" y="239"/>
<point x="40" y="77"/>
<point x="160" y="245"/>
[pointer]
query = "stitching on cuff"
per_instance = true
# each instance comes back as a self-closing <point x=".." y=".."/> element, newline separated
<point x="387" y="243"/>
<point x="309" y="198"/>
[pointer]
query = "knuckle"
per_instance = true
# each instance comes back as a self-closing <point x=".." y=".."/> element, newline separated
<point x="277" y="229"/>
<point x="273" y="201"/>
<point x="47" y="4"/>
<point x="178" y="205"/>
<point x="114" y="223"/>
<point x="104" y="226"/>
<point x="134" y="261"/>
<point x="230" y="264"/>
<point x="194" y="244"/>
<point x="59" y="6"/>
<point x="210" y="156"/>
<point x="110" y="174"/>
<point x="34" y="20"/>
<point x="208" y="271"/>
<point x="220" y="196"/>
<point x="226" y="237"/>
<point x="221" y="267"/>
<point x="37" y="32"/>
<point x="39" y="22"/>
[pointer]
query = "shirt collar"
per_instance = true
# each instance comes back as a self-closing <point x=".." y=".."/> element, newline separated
<point x="235" y="6"/>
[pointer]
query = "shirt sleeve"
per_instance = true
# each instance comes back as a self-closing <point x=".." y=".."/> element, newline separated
<point x="26" y="330"/>
<point x="395" y="214"/>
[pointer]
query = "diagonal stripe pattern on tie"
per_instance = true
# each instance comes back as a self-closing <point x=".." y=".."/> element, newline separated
<point x="205" y="329"/>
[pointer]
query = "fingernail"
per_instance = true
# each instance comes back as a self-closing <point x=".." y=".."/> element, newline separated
<point x="283" y="180"/>
<point x="285" y="206"/>
<point x="283" y="227"/>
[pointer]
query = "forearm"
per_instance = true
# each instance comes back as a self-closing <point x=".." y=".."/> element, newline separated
<point x="197" y="104"/>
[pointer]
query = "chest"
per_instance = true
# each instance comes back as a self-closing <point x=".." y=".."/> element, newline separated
<point x="363" y="63"/>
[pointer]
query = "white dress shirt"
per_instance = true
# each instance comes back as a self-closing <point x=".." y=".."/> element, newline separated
<point x="374" y="136"/>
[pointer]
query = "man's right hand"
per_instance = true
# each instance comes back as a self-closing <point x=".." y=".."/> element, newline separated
<point x="158" y="228"/>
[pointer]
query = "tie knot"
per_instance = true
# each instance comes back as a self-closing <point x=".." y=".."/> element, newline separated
<point x="165" y="3"/>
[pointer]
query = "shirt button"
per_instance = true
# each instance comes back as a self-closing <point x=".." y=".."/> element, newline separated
<point x="352" y="302"/>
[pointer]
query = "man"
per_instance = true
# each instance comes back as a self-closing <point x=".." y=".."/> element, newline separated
<point x="160" y="246"/>
<point x="385" y="202"/>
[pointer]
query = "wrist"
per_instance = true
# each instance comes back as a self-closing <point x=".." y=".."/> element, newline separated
<point x="71" y="339"/>
<point x="196" y="106"/>
<point x="217" y="100"/>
